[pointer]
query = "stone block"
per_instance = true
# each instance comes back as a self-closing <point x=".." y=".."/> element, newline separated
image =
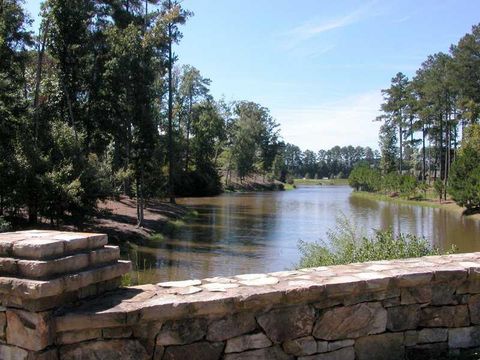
<point x="231" y="326"/>
<point x="443" y="294"/>
<point x="389" y="346"/>
<point x="287" y="323"/>
<point x="197" y="351"/>
<point x="181" y="332"/>
<point x="274" y="352"/>
<point x="342" y="354"/>
<point x="117" y="333"/>
<point x="433" y="335"/>
<point x="416" y="295"/>
<point x="73" y="337"/>
<point x="301" y="347"/>
<point x="474" y="308"/>
<point x="104" y="255"/>
<point x="31" y="331"/>
<point x="351" y="322"/>
<point x="335" y="345"/>
<point x="247" y="342"/>
<point x="38" y="249"/>
<point x="401" y="318"/>
<point x="105" y="350"/>
<point x="444" y="316"/>
<point x="8" y="266"/>
<point x="8" y="352"/>
<point x="3" y="323"/>
<point x="35" y="269"/>
<point x="463" y="338"/>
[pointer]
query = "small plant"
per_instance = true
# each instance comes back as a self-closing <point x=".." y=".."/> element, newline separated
<point x="4" y="225"/>
<point x="347" y="246"/>
<point x="439" y="187"/>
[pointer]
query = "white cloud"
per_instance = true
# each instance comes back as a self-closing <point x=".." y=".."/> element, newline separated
<point x="346" y="121"/>
<point x="313" y="28"/>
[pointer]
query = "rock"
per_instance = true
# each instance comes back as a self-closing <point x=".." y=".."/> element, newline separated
<point x="197" y="351"/>
<point x="247" y="342"/>
<point x="474" y="307"/>
<point x="274" y="353"/>
<point x="182" y="332"/>
<point x="72" y="337"/>
<point x="342" y="354"/>
<point x="105" y="350"/>
<point x="401" y="318"/>
<point x="301" y="347"/>
<point x="351" y="322"/>
<point x="260" y="281"/>
<point x="388" y="346"/>
<point x="462" y="338"/>
<point x="443" y="294"/>
<point x="219" y="287"/>
<point x="3" y="322"/>
<point x="426" y="336"/>
<point x="444" y="316"/>
<point x="32" y="331"/>
<point x="117" y="333"/>
<point x="287" y="323"/>
<point x="232" y="326"/>
<point x="416" y="295"/>
<point x="335" y="345"/>
<point x="179" y="284"/>
<point x="8" y="352"/>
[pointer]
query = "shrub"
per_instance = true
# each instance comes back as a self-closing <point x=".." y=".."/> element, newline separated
<point x="439" y="188"/>
<point x="464" y="183"/>
<point x="4" y="225"/>
<point x="347" y="246"/>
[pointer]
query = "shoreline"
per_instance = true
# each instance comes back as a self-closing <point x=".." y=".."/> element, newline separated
<point x="448" y="206"/>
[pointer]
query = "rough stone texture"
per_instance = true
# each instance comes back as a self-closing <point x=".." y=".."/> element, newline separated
<point x="335" y="345"/>
<point x="231" y="326"/>
<point x="8" y="352"/>
<point x="416" y="295"/>
<point x="287" y="324"/>
<point x="301" y="347"/>
<point x="247" y="342"/>
<point x="351" y="322"/>
<point x="273" y="353"/>
<point x="403" y="317"/>
<point x="197" y="351"/>
<point x="466" y="337"/>
<point x="444" y="316"/>
<point x="105" y="350"/>
<point x="31" y="331"/>
<point x="428" y="352"/>
<point x="380" y="347"/>
<point x="117" y="333"/>
<point x="474" y="308"/>
<point x="72" y="337"/>
<point x="3" y="323"/>
<point x="182" y="332"/>
<point x="342" y="354"/>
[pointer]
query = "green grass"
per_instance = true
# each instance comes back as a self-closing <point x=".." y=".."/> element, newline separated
<point x="336" y="182"/>
<point x="397" y="200"/>
<point x="288" y="187"/>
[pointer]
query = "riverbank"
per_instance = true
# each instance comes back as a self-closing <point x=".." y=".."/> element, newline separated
<point x="320" y="182"/>
<point x="252" y="183"/>
<point x="448" y="205"/>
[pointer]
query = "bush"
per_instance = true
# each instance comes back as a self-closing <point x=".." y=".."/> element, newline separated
<point x="347" y="246"/>
<point x="439" y="188"/>
<point x="4" y="225"/>
<point x="464" y="183"/>
<point x="364" y="178"/>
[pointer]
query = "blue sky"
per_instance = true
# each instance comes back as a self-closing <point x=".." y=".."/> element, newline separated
<point x="318" y="65"/>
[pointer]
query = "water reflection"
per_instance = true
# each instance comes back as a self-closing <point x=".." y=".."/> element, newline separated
<point x="259" y="232"/>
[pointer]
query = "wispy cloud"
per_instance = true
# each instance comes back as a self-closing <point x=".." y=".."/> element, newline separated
<point x="346" y="121"/>
<point x="313" y="28"/>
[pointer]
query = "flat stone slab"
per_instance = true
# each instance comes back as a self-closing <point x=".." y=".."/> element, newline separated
<point x="37" y="289"/>
<point x="44" y="269"/>
<point x="46" y="244"/>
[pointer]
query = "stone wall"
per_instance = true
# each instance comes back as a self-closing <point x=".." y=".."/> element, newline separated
<point x="427" y="308"/>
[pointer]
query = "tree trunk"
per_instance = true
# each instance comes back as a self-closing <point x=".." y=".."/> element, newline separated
<point x="189" y="122"/>
<point x="171" y="187"/>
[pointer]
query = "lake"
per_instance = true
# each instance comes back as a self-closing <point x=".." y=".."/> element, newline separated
<point x="259" y="232"/>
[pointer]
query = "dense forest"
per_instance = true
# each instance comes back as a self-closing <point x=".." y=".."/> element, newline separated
<point x="430" y="134"/>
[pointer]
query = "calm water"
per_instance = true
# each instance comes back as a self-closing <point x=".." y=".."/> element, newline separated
<point x="259" y="232"/>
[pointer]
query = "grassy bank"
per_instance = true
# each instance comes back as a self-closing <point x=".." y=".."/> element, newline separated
<point x="448" y="205"/>
<point x="320" y="182"/>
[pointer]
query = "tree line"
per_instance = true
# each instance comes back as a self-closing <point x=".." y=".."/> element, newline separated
<point x="429" y="134"/>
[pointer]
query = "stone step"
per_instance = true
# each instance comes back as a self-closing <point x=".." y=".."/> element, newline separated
<point x="46" y="244"/>
<point x="45" y="269"/>
<point x="37" y="289"/>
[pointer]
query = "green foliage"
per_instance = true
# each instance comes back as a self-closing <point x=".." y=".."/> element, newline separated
<point x="4" y="225"/>
<point x="364" y="178"/>
<point x="464" y="183"/>
<point x="346" y="245"/>
<point x="439" y="187"/>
